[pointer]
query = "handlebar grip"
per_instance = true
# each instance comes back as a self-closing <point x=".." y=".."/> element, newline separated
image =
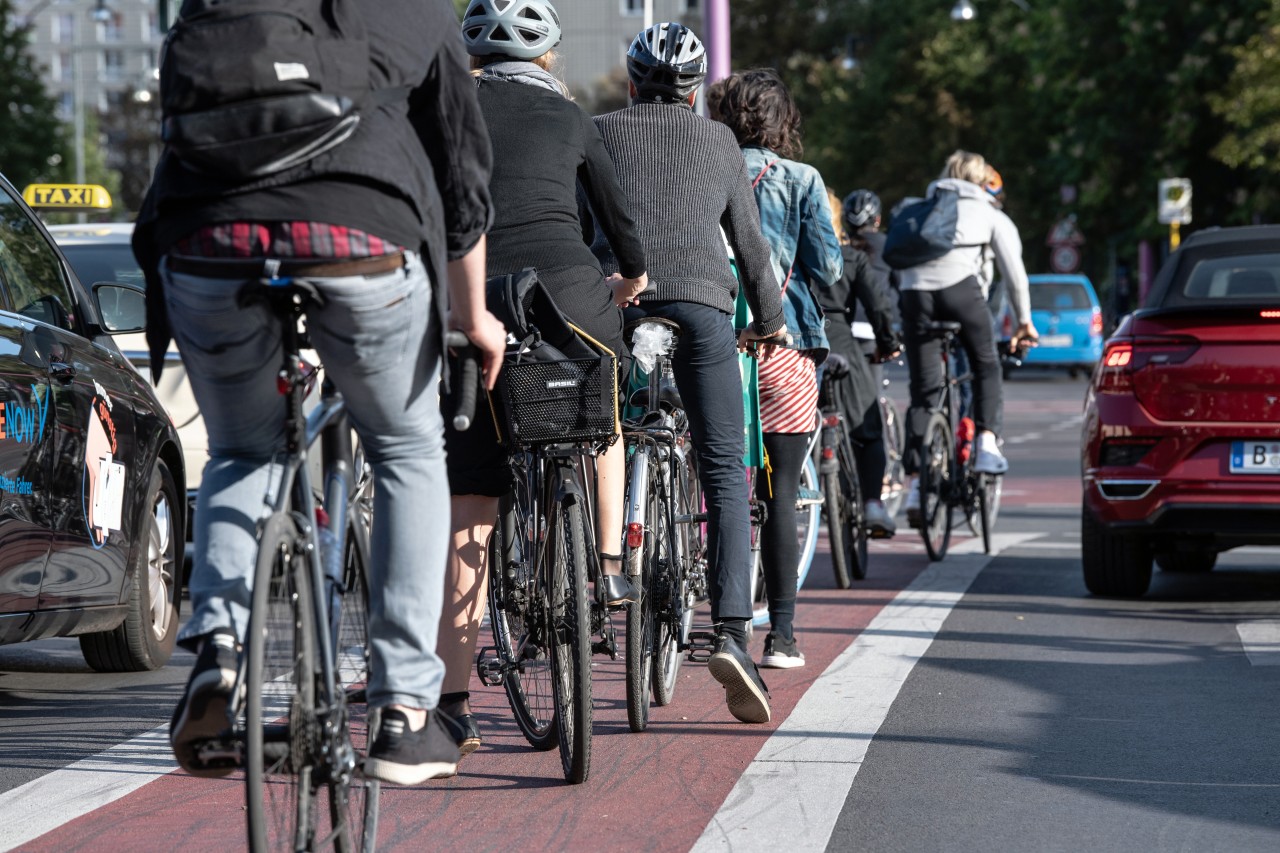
<point x="468" y="378"/>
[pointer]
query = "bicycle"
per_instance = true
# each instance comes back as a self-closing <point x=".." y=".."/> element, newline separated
<point x="662" y="551"/>
<point x="543" y="555"/>
<point x="894" y="489"/>
<point x="948" y="478"/>
<point x="299" y="719"/>
<point x="843" y="504"/>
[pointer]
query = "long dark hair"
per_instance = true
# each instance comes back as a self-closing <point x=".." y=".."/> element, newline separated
<point x="758" y="108"/>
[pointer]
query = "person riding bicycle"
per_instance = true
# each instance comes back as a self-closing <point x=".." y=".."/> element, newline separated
<point x="374" y="225"/>
<point x="953" y="288"/>
<point x="686" y="180"/>
<point x="861" y="289"/>
<point x="796" y="219"/>
<point x="862" y="229"/>
<point x="544" y="145"/>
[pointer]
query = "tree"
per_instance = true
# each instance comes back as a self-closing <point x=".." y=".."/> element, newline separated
<point x="32" y="145"/>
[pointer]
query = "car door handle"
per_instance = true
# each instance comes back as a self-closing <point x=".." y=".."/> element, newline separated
<point x="62" y="372"/>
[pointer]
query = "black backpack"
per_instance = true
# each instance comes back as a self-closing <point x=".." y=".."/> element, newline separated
<point x="252" y="87"/>
<point x="922" y="232"/>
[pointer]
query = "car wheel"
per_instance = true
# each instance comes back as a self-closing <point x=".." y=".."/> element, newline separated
<point x="145" y="640"/>
<point x="1115" y="564"/>
<point x="1073" y="373"/>
<point x="1189" y="561"/>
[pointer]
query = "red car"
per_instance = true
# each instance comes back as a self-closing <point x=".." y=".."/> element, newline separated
<point x="1181" y="437"/>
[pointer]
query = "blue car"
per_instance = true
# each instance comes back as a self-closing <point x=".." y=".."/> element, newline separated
<point x="1066" y="313"/>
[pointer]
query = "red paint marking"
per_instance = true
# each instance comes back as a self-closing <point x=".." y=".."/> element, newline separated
<point x="652" y="791"/>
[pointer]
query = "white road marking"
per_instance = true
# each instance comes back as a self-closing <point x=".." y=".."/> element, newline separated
<point x="1261" y="641"/>
<point x="42" y="805"/>
<point x="794" y="790"/>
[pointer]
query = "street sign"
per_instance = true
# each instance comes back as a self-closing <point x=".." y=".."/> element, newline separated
<point x="1175" y="201"/>
<point x="1065" y="233"/>
<point x="1064" y="259"/>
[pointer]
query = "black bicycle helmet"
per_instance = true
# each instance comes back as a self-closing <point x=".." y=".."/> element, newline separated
<point x="666" y="63"/>
<point x="861" y="208"/>
<point x="521" y="29"/>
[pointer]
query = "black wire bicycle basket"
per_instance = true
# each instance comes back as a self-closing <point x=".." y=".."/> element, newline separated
<point x="544" y="398"/>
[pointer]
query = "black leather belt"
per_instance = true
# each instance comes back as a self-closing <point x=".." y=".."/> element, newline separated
<point x="293" y="267"/>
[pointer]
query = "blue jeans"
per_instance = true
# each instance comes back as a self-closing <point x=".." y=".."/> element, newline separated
<point x="374" y="341"/>
<point x="705" y="364"/>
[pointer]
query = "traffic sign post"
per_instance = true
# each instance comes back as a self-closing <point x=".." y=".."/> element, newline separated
<point x="1174" y="200"/>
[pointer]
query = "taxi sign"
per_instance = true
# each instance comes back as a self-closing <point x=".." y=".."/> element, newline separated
<point x="67" y="197"/>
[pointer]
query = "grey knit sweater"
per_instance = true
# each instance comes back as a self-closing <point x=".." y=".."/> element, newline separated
<point x="685" y="178"/>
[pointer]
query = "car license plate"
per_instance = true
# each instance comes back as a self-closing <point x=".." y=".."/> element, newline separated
<point x="1055" y="340"/>
<point x="1255" y="457"/>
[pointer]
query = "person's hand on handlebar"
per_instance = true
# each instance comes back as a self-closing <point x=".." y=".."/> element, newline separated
<point x="490" y="338"/>
<point x="626" y="291"/>
<point x="762" y="345"/>
<point x="1024" y="337"/>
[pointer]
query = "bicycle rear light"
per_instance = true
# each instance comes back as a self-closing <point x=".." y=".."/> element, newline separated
<point x="635" y="535"/>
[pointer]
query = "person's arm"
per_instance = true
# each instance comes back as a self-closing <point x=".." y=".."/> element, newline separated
<point x="611" y="212"/>
<point x="1007" y="247"/>
<point x="818" y="252"/>
<point x="741" y="223"/>
<point x="870" y="289"/>
<point x="468" y="313"/>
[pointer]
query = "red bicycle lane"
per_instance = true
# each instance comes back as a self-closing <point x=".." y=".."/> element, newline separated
<point x="654" y="791"/>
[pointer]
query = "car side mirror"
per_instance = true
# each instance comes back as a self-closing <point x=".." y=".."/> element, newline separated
<point x="122" y="307"/>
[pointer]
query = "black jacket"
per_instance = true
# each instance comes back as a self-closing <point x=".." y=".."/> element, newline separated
<point x="415" y="172"/>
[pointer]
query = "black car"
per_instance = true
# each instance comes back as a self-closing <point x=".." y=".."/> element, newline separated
<point x="92" y="501"/>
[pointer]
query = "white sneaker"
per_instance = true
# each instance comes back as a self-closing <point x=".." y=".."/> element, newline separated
<point x="913" y="504"/>
<point x="990" y="460"/>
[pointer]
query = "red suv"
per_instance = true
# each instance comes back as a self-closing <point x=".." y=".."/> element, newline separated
<point x="1181" y="439"/>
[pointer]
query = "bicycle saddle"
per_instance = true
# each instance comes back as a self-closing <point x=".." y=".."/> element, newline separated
<point x="836" y="366"/>
<point x="668" y="398"/>
<point x="940" y="328"/>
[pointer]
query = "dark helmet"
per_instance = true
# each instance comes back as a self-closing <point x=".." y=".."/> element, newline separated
<point x="666" y="63"/>
<point x="861" y="207"/>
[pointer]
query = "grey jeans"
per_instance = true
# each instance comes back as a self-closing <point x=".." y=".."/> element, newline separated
<point x="374" y="339"/>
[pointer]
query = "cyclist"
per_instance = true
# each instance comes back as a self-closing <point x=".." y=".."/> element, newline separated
<point x="543" y="146"/>
<point x="796" y="219"/>
<point x="686" y="179"/>
<point x="389" y="213"/>
<point x="862" y="289"/>
<point x="861" y="228"/>
<point x="953" y="288"/>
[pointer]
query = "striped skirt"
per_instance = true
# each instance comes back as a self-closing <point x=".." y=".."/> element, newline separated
<point x="788" y="392"/>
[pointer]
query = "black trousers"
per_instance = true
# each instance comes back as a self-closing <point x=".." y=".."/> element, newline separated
<point x="960" y="303"/>
<point x="779" y="547"/>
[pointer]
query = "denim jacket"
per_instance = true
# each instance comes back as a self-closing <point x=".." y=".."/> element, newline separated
<point x="796" y="220"/>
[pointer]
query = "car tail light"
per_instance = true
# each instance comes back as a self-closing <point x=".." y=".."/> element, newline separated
<point x="1271" y="315"/>
<point x="1125" y="357"/>
<point x="1095" y="325"/>
<point x="1124" y="452"/>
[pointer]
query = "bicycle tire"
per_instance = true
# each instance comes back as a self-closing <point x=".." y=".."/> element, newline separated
<point x="937" y="462"/>
<point x="280" y="797"/>
<point x="518" y="619"/>
<point x="640" y="615"/>
<point x="570" y="629"/>
<point x="833" y="500"/>
<point x="990" y="488"/>
<point x="673" y="628"/>
<point x="894" y="489"/>
<point x="847" y="526"/>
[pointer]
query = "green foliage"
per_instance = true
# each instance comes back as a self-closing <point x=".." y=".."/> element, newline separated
<point x="31" y="145"/>
<point x="1104" y="97"/>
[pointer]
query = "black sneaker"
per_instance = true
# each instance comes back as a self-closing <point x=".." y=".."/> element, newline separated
<point x="402" y="756"/>
<point x="781" y="653"/>
<point x="744" y="690"/>
<point x="463" y="730"/>
<point x="201" y="714"/>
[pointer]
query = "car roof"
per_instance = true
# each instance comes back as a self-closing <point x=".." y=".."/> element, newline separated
<point x="1059" y="278"/>
<point x="1235" y="234"/>
<point x="90" y="233"/>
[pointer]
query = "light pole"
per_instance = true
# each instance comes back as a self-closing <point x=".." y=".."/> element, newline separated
<point x="100" y="14"/>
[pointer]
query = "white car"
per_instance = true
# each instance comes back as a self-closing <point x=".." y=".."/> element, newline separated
<point x="101" y="252"/>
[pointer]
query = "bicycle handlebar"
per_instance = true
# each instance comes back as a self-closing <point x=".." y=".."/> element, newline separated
<point x="468" y="378"/>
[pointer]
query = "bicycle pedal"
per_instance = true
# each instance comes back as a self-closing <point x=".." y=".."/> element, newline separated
<point x="700" y="646"/>
<point x="219" y="753"/>
<point x="490" y="667"/>
<point x="604" y="647"/>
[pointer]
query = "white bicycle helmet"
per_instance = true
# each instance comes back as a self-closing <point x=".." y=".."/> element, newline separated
<point x="666" y="62"/>
<point x="521" y="29"/>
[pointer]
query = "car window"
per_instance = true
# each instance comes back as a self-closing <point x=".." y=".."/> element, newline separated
<point x="95" y="262"/>
<point x="1230" y="280"/>
<point x="1059" y="296"/>
<point x="31" y="271"/>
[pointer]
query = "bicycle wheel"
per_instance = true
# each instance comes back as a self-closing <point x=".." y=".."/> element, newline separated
<point x="845" y="522"/>
<point x="989" y="491"/>
<point x="641" y="615"/>
<point x="935" y="487"/>
<point x="678" y="586"/>
<point x="894" y="490"/>
<point x="836" y="512"/>
<point x="570" y="630"/>
<point x="283" y="732"/>
<point x="518" y="617"/>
